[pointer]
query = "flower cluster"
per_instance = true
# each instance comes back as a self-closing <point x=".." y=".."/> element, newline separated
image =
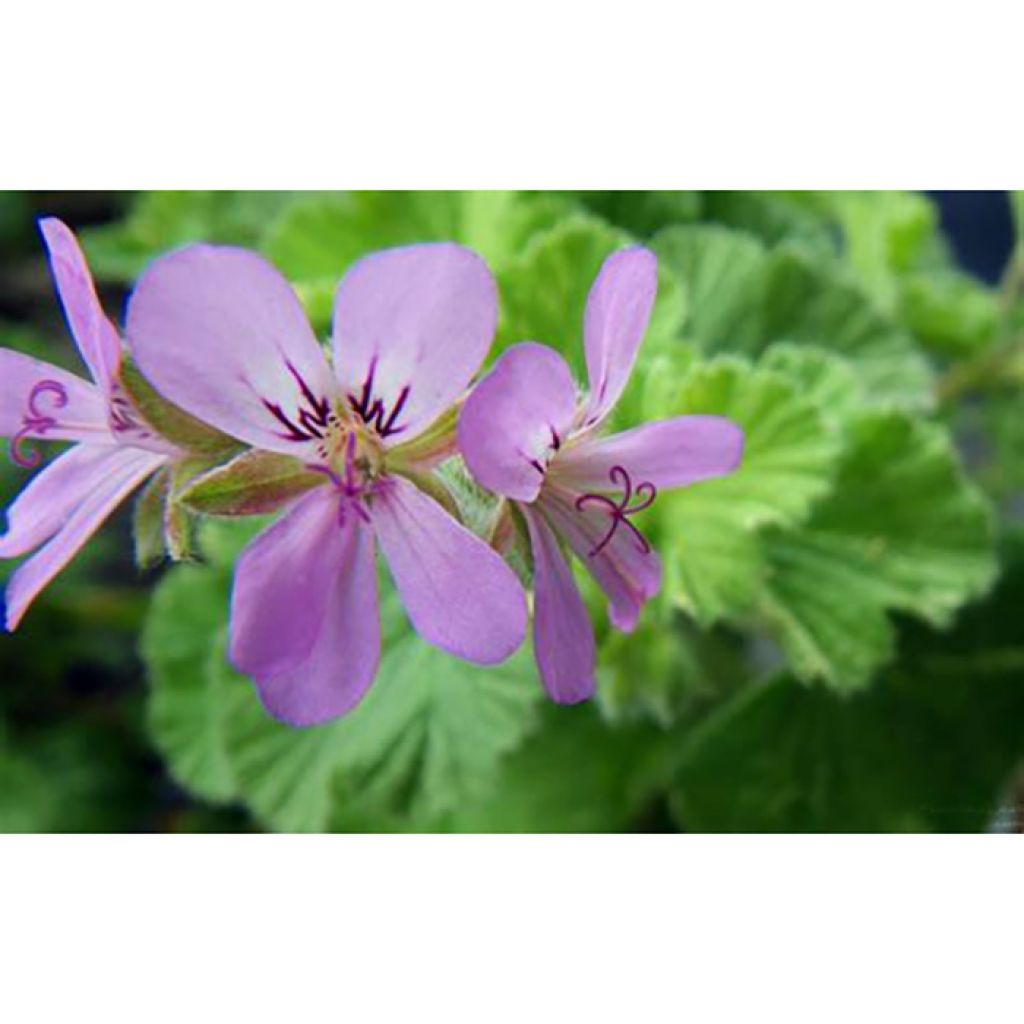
<point x="346" y="448"/>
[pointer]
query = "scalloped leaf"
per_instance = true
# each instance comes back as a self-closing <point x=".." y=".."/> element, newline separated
<point x="744" y="297"/>
<point x="707" y="533"/>
<point x="427" y="738"/>
<point x="903" y="530"/>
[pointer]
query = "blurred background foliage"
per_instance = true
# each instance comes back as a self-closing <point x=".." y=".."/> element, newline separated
<point x="839" y="642"/>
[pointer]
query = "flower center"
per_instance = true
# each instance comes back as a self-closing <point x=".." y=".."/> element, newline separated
<point x="45" y="399"/>
<point x="541" y="464"/>
<point x="354" y="467"/>
<point x="619" y="511"/>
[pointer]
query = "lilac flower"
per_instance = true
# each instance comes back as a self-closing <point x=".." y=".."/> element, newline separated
<point x="221" y="333"/>
<point x="68" y="501"/>
<point x="525" y="436"/>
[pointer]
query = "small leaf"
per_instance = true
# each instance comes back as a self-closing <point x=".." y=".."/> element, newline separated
<point x="950" y="311"/>
<point x="253" y="483"/>
<point x="148" y="520"/>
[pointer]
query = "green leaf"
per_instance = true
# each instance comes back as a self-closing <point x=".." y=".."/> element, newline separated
<point x="574" y="774"/>
<point x="903" y="530"/>
<point x="949" y="311"/>
<point x="706" y="532"/>
<point x="253" y="483"/>
<point x="544" y="295"/>
<point x="744" y="298"/>
<point x="642" y="213"/>
<point x="931" y="748"/>
<point x="188" y="703"/>
<point x="161" y="221"/>
<point x="427" y="738"/>
<point x="318" y="238"/>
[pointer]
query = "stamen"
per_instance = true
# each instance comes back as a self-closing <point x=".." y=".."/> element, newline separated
<point x="37" y="421"/>
<point x="372" y="411"/>
<point x="619" y="511"/>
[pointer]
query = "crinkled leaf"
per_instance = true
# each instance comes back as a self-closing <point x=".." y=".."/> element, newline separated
<point x="642" y="213"/>
<point x="949" y="311"/>
<point x="903" y="530"/>
<point x="160" y="221"/>
<point x="426" y="740"/>
<point x="318" y="238"/>
<point x="706" y="533"/>
<point x="576" y="773"/>
<point x="744" y="297"/>
<point x="930" y="748"/>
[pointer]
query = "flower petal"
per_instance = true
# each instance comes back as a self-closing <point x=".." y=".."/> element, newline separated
<point x="411" y="327"/>
<point x="62" y="406"/>
<point x="220" y="333"/>
<point x="459" y="594"/>
<point x="628" y="571"/>
<point x="95" y="335"/>
<point x="563" y="639"/>
<point x="618" y="311"/>
<point x="52" y="496"/>
<point x="126" y="469"/>
<point x="343" y="660"/>
<point x="516" y="418"/>
<point x="667" y="454"/>
<point x="283" y="585"/>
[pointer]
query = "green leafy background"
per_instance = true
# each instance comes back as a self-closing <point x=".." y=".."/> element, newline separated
<point x="839" y="642"/>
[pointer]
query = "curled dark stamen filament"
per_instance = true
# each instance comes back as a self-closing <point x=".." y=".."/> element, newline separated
<point x="619" y="511"/>
<point x="37" y="420"/>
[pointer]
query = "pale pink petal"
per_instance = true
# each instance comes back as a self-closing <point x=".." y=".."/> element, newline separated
<point x="343" y="660"/>
<point x="563" y="639"/>
<point x="283" y="584"/>
<point x="38" y="400"/>
<point x="219" y="332"/>
<point x="411" y="328"/>
<point x="625" y="567"/>
<point x="515" y="420"/>
<point x="667" y="454"/>
<point x="50" y="499"/>
<point x="128" y="467"/>
<point x="459" y="594"/>
<point x="95" y="335"/>
<point x="618" y="311"/>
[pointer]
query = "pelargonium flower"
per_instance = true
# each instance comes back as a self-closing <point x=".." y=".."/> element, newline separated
<point x="524" y="435"/>
<point x="222" y="334"/>
<point x="115" y="450"/>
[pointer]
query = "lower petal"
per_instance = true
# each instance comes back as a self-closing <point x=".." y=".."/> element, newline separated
<point x="458" y="592"/>
<point x="124" y="472"/>
<point x="283" y="585"/>
<point x="343" y="660"/>
<point x="52" y="496"/>
<point x="563" y="639"/>
<point x="625" y="567"/>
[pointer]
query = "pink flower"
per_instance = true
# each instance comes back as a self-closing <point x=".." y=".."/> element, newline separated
<point x="524" y="435"/>
<point x="221" y="333"/>
<point x="115" y="451"/>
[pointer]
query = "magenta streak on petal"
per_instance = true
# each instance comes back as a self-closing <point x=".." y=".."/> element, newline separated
<point x="37" y="421"/>
<point x="618" y="511"/>
<point x="372" y="411"/>
<point x="312" y="420"/>
<point x="350" y="487"/>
